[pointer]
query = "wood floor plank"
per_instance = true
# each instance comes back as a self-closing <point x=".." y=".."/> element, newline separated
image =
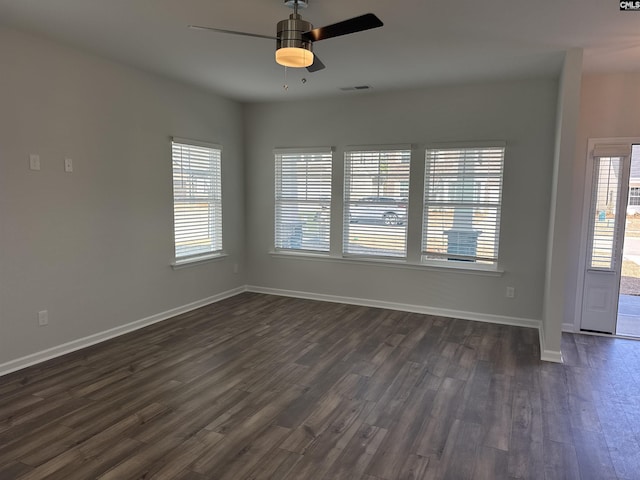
<point x="622" y="442"/>
<point x="266" y="387"/>
<point x="526" y="445"/>
<point x="555" y="404"/>
<point x="433" y="436"/>
<point x="391" y="402"/>
<point x="358" y="454"/>
<point x="561" y="462"/>
<point x="491" y="463"/>
<point x="326" y="449"/>
<point x="22" y="446"/>
<point x="11" y="471"/>
<point x="252" y="454"/>
<point x="467" y="445"/>
<point x="400" y="441"/>
<point x="594" y="460"/>
<point x="438" y="465"/>
<point x="234" y="441"/>
<point x="476" y="393"/>
<point x="276" y="465"/>
<point x="498" y="415"/>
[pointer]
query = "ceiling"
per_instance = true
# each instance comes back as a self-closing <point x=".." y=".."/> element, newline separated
<point x="422" y="42"/>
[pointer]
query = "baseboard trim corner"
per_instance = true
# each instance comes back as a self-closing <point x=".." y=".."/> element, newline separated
<point x="57" y="351"/>
<point x="403" y="307"/>
<point x="554" y="356"/>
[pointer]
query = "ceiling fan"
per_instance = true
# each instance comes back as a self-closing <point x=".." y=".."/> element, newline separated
<point x="295" y="36"/>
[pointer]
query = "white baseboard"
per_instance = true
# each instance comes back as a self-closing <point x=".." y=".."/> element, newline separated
<point x="569" y="328"/>
<point x="404" y="307"/>
<point x="38" y="357"/>
<point x="548" y="355"/>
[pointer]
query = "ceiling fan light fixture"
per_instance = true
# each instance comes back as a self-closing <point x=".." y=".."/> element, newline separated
<point x="294" y="57"/>
<point x="295" y="37"/>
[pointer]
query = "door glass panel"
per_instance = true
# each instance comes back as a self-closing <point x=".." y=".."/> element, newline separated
<point x="629" y="293"/>
<point x="604" y="210"/>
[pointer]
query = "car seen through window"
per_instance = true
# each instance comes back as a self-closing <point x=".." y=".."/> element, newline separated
<point x="383" y="210"/>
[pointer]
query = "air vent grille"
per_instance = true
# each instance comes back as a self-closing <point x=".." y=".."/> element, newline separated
<point x="357" y="87"/>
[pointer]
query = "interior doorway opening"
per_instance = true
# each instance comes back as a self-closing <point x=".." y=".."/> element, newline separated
<point x="628" y="320"/>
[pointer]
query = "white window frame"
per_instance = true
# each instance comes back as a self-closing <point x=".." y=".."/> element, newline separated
<point x="349" y="154"/>
<point x="457" y="260"/>
<point x="212" y="197"/>
<point x="308" y="198"/>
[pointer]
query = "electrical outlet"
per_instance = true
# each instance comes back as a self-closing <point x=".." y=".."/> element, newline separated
<point x="68" y="165"/>
<point x="511" y="292"/>
<point x="43" y="318"/>
<point x="34" y="162"/>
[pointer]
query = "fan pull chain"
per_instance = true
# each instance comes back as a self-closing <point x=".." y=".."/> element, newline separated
<point x="285" y="86"/>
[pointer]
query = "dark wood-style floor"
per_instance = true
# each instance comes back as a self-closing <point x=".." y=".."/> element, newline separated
<point x="259" y="387"/>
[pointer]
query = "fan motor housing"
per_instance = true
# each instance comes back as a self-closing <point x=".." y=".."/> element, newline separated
<point x="289" y="33"/>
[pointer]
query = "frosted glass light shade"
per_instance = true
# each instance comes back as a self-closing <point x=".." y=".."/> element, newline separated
<point x="294" y="57"/>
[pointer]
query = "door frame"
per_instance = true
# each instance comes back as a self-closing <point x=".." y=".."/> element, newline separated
<point x="586" y="218"/>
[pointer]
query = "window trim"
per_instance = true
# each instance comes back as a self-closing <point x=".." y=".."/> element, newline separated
<point x="390" y="262"/>
<point x="196" y="259"/>
<point x="193" y="261"/>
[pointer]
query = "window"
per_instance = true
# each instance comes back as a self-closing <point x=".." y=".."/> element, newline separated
<point x="604" y="209"/>
<point x="303" y="200"/>
<point x="375" y="204"/>
<point x="634" y="196"/>
<point x="197" y="199"/>
<point x="462" y="199"/>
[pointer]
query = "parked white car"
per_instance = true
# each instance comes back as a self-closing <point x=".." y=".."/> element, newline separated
<point x="387" y="210"/>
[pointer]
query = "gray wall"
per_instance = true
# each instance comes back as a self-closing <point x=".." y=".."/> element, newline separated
<point x="93" y="247"/>
<point x="523" y="113"/>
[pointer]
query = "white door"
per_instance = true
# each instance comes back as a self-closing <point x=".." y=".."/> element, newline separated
<point x="608" y="202"/>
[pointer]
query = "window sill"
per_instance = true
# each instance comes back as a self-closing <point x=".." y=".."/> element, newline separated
<point x="309" y="255"/>
<point x="390" y="262"/>
<point x="465" y="266"/>
<point x="194" y="261"/>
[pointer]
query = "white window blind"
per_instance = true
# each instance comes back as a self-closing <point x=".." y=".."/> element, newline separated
<point x="376" y="202"/>
<point x="303" y="200"/>
<point x="604" y="205"/>
<point x="197" y="199"/>
<point x="462" y="200"/>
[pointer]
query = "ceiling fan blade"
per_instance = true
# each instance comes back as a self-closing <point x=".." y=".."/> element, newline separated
<point x="316" y="65"/>
<point x="232" y="32"/>
<point x="353" y="25"/>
